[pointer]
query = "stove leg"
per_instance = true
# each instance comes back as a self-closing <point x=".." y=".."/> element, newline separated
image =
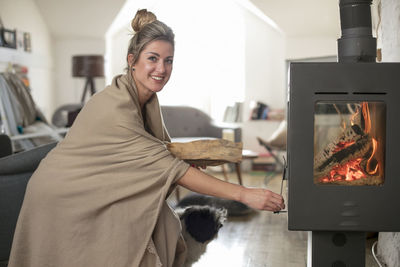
<point x="336" y="249"/>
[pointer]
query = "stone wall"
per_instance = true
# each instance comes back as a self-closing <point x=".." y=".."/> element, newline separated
<point x="389" y="243"/>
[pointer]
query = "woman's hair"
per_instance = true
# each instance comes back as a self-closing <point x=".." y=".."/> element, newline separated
<point x="147" y="29"/>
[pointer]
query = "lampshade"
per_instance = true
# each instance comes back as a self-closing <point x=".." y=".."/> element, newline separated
<point x="88" y="66"/>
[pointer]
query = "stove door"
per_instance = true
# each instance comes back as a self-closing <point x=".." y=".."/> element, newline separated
<point x="349" y="143"/>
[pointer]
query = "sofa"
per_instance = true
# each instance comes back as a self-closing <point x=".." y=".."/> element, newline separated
<point x="15" y="171"/>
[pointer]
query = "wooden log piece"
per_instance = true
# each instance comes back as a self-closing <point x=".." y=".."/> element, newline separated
<point x="353" y="133"/>
<point x="207" y="152"/>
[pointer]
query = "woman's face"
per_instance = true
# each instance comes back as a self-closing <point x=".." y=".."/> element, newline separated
<point x="153" y="67"/>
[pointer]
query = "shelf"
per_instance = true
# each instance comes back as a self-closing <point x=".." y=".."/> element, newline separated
<point x="21" y="57"/>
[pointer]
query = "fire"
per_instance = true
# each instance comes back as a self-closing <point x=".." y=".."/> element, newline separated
<point x="352" y="170"/>
<point x="349" y="171"/>
<point x="365" y="156"/>
<point x="371" y="160"/>
<point x="367" y="118"/>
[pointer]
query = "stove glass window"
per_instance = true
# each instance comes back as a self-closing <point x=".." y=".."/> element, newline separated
<point x="349" y="142"/>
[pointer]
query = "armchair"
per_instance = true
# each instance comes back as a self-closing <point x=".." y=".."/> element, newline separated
<point x="15" y="172"/>
<point x="5" y="145"/>
<point x="188" y="123"/>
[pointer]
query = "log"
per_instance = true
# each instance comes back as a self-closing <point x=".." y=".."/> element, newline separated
<point x="207" y="152"/>
<point x="362" y="148"/>
<point x="353" y="133"/>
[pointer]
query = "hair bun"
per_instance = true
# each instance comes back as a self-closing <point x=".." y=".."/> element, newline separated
<point x="142" y="18"/>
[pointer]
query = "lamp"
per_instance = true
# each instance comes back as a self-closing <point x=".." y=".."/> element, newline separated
<point x="89" y="67"/>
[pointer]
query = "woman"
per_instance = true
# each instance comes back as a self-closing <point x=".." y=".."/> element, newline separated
<point x="98" y="198"/>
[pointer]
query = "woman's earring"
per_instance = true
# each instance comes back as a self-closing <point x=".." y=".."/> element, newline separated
<point x="133" y="69"/>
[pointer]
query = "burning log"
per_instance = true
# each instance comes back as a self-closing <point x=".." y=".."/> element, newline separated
<point x="348" y="160"/>
<point x="350" y="136"/>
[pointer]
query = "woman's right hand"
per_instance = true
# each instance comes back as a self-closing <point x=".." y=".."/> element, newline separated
<point x="262" y="199"/>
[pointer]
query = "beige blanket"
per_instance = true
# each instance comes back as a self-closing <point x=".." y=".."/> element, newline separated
<point x="98" y="198"/>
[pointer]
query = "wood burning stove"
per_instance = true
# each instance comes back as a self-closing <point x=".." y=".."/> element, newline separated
<point x="343" y="143"/>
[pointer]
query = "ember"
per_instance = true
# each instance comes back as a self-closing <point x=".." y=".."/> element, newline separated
<point x="349" y="171"/>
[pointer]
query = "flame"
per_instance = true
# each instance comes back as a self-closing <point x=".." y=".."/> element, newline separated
<point x="369" y="162"/>
<point x="366" y="116"/>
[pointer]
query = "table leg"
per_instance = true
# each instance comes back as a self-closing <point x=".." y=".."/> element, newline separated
<point x="224" y="172"/>
<point x="238" y="172"/>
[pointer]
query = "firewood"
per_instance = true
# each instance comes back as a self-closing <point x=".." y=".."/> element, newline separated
<point x="353" y="133"/>
<point x="360" y="149"/>
<point x="207" y="152"/>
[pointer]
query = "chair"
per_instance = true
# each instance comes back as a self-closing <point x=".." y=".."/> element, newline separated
<point x="276" y="143"/>
<point x="5" y="145"/>
<point x="189" y="123"/>
<point x="15" y="172"/>
<point x="65" y="115"/>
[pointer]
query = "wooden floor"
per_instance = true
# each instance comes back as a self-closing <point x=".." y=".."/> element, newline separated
<point x="259" y="239"/>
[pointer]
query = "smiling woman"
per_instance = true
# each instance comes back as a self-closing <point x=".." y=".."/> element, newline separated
<point x="99" y="197"/>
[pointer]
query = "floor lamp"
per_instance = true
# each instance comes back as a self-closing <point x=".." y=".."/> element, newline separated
<point x="89" y="67"/>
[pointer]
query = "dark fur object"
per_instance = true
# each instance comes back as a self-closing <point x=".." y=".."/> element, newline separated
<point x="200" y="225"/>
<point x="203" y="222"/>
<point x="234" y="208"/>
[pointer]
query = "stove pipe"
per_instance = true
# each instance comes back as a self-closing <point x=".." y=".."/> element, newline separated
<point x="356" y="43"/>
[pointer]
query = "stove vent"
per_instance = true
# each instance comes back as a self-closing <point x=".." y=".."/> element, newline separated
<point x="356" y="43"/>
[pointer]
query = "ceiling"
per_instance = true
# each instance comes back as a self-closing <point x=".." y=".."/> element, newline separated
<point x="79" y="18"/>
<point x="91" y="18"/>
<point x="303" y="18"/>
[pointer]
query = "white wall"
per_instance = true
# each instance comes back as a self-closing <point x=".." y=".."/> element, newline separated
<point x="50" y="63"/>
<point x="311" y="47"/>
<point x="25" y="16"/>
<point x="68" y="89"/>
<point x="264" y="76"/>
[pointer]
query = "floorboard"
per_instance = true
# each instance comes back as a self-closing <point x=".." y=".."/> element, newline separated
<point x="260" y="239"/>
